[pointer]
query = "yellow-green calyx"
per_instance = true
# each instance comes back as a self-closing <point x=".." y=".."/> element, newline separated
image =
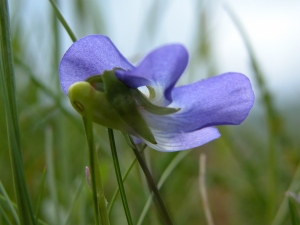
<point x="111" y="103"/>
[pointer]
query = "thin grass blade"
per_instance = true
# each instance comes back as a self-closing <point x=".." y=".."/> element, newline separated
<point x="38" y="205"/>
<point x="9" y="203"/>
<point x="63" y="21"/>
<point x="112" y="201"/>
<point x="119" y="176"/>
<point x="293" y="210"/>
<point x="4" y="216"/>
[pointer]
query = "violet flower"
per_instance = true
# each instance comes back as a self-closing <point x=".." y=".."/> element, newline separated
<point x="184" y="117"/>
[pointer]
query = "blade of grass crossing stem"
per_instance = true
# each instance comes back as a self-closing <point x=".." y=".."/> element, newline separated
<point x="167" y="172"/>
<point x="272" y="117"/>
<point x="112" y="201"/>
<point x="119" y="176"/>
<point x="63" y="21"/>
<point x="97" y="187"/>
<point x="8" y="88"/>
<point x="160" y="203"/>
<point x="3" y="201"/>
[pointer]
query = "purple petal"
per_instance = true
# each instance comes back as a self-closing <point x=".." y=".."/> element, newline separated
<point x="89" y="56"/>
<point x="170" y="142"/>
<point x="219" y="100"/>
<point x="160" y="69"/>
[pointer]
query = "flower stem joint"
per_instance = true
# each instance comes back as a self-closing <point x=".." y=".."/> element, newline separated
<point x="143" y="102"/>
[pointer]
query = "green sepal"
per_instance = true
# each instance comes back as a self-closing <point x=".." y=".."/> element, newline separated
<point x="92" y="103"/>
<point x="120" y="97"/>
<point x="148" y="106"/>
<point x="97" y="82"/>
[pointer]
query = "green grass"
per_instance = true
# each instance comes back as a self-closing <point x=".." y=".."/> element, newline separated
<point x="44" y="152"/>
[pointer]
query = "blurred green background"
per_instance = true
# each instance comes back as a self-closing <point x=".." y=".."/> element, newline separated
<point x="249" y="169"/>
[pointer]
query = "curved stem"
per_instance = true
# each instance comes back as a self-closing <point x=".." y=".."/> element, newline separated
<point x="119" y="176"/>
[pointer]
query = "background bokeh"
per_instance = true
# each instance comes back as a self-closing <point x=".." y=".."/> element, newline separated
<point x="249" y="168"/>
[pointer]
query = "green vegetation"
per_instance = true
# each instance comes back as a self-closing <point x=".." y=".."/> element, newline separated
<point x="44" y="151"/>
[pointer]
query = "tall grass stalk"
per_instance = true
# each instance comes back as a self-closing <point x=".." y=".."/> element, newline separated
<point x="9" y="94"/>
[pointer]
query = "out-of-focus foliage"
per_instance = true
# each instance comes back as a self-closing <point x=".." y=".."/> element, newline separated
<point x="249" y="168"/>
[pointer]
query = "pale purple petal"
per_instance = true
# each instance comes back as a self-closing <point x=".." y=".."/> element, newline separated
<point x="220" y="100"/>
<point x="170" y="142"/>
<point x="160" y="69"/>
<point x="90" y="56"/>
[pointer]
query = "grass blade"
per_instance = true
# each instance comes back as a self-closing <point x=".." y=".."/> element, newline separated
<point x="8" y="86"/>
<point x="9" y="203"/>
<point x="123" y="179"/>
<point x="37" y="210"/>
